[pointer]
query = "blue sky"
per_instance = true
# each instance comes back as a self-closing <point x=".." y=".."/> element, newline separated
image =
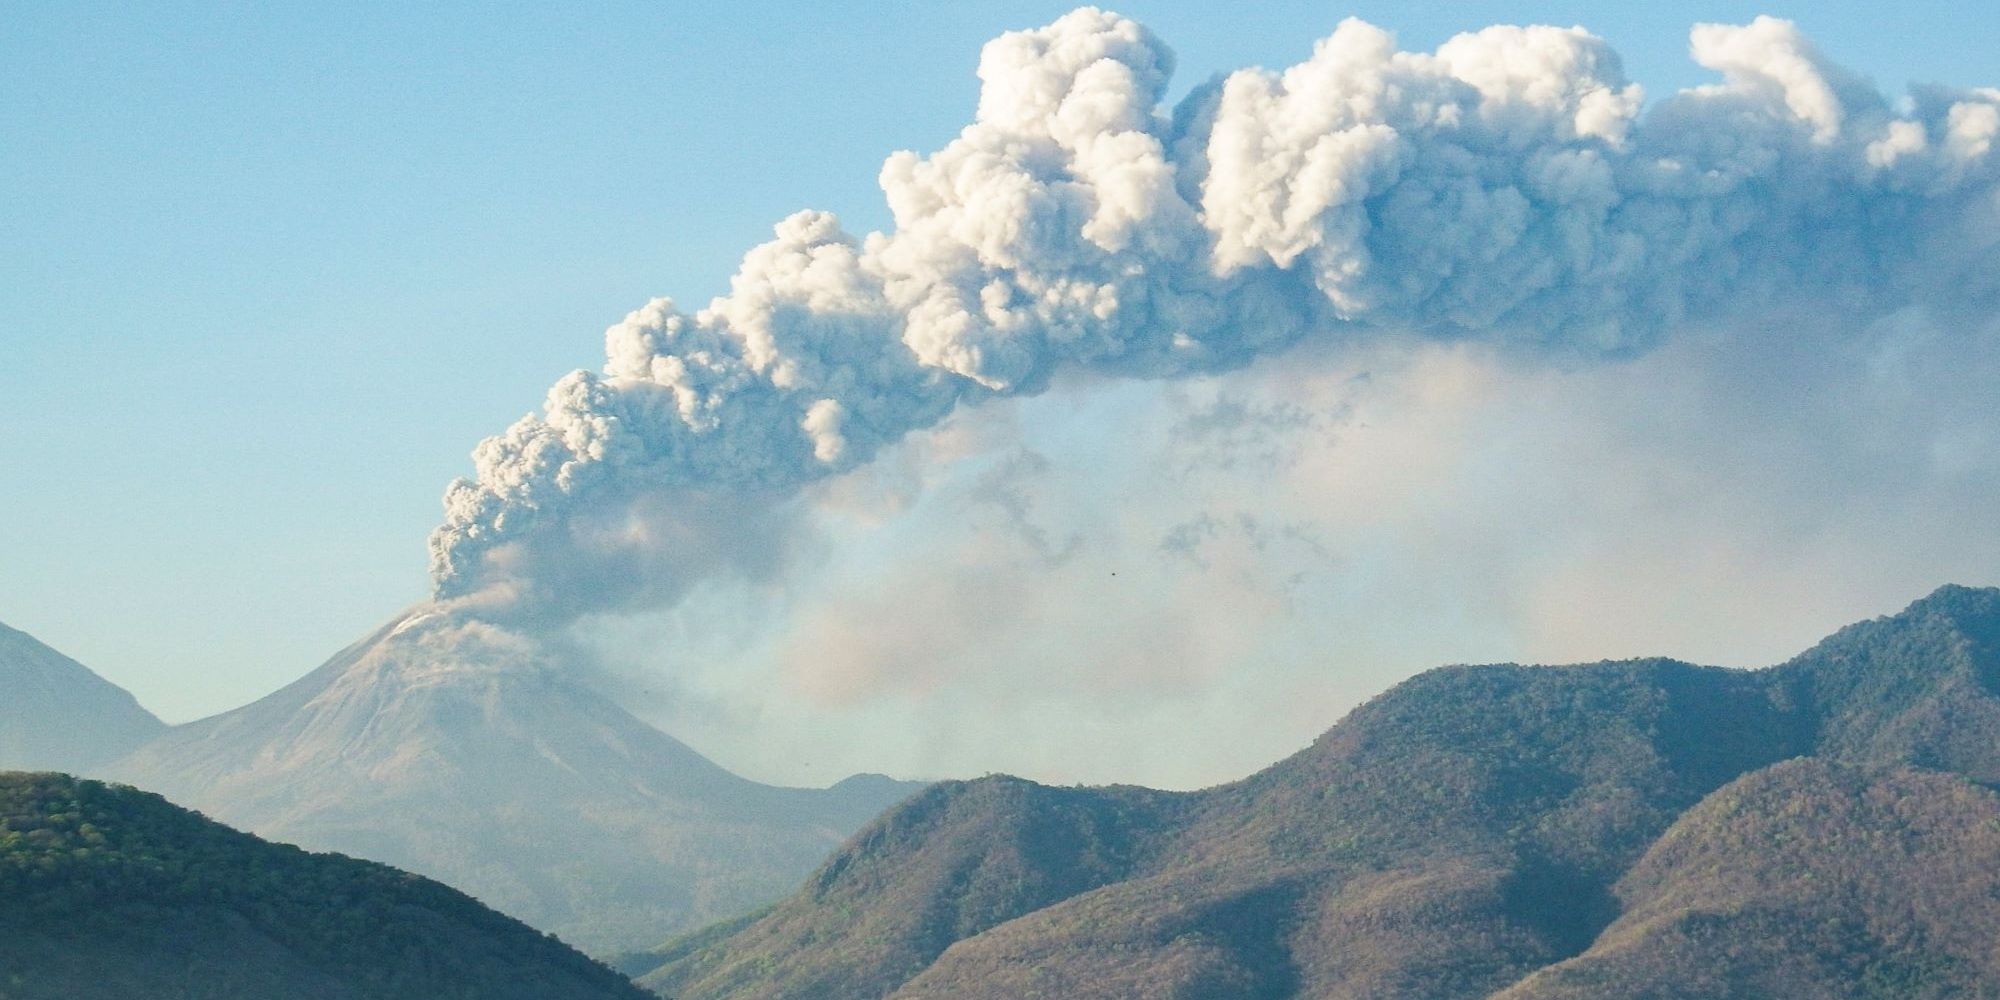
<point x="266" y="275"/>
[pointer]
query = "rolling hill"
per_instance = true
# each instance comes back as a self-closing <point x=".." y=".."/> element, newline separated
<point x="1510" y="831"/>
<point x="1801" y="881"/>
<point x="112" y="893"/>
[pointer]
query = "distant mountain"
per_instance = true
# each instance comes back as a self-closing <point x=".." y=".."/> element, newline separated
<point x="56" y="715"/>
<point x="113" y="893"/>
<point x="1618" y="829"/>
<point x="471" y="755"/>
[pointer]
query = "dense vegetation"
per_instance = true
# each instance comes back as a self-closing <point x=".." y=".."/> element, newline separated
<point x="1802" y="881"/>
<point x="108" y="891"/>
<point x="957" y="859"/>
<point x="1554" y="832"/>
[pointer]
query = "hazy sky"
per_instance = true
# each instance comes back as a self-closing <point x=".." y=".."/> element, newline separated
<point x="266" y="277"/>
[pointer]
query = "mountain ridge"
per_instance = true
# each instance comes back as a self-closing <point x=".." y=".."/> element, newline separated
<point x="1449" y="838"/>
<point x="59" y="714"/>
<point x="1751" y="865"/>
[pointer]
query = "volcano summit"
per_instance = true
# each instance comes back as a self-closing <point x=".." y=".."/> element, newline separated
<point x="469" y="753"/>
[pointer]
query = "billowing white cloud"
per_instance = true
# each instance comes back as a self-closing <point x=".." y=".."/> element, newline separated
<point x="1506" y="189"/>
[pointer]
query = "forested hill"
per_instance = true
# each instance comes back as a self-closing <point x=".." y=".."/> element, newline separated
<point x="1631" y="829"/>
<point x="114" y="893"/>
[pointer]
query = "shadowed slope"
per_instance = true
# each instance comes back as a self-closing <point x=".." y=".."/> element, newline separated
<point x="952" y="861"/>
<point x="1921" y="688"/>
<point x="1802" y="881"/>
<point x="112" y="893"/>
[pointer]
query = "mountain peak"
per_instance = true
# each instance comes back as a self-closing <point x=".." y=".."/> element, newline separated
<point x="1921" y="687"/>
<point x="1943" y="633"/>
<point x="481" y="756"/>
<point x="1969" y="606"/>
<point x="58" y="715"/>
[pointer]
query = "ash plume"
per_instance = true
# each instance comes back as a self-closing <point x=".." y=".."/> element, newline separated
<point x="1510" y="187"/>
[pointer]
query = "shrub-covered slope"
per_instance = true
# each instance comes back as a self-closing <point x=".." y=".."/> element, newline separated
<point x="1802" y="881"/>
<point x="953" y="861"/>
<point x="1449" y="839"/>
<point x="110" y="892"/>
<point x="1445" y="840"/>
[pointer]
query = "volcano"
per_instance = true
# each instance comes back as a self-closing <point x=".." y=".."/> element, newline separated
<point x="474" y="755"/>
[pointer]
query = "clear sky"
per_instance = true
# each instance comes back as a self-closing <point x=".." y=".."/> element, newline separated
<point x="268" y="272"/>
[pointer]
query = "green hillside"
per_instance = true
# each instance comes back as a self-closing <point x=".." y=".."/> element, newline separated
<point x="1464" y="834"/>
<point x="111" y="892"/>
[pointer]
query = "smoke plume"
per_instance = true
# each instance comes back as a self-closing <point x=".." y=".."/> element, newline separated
<point x="1510" y="188"/>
